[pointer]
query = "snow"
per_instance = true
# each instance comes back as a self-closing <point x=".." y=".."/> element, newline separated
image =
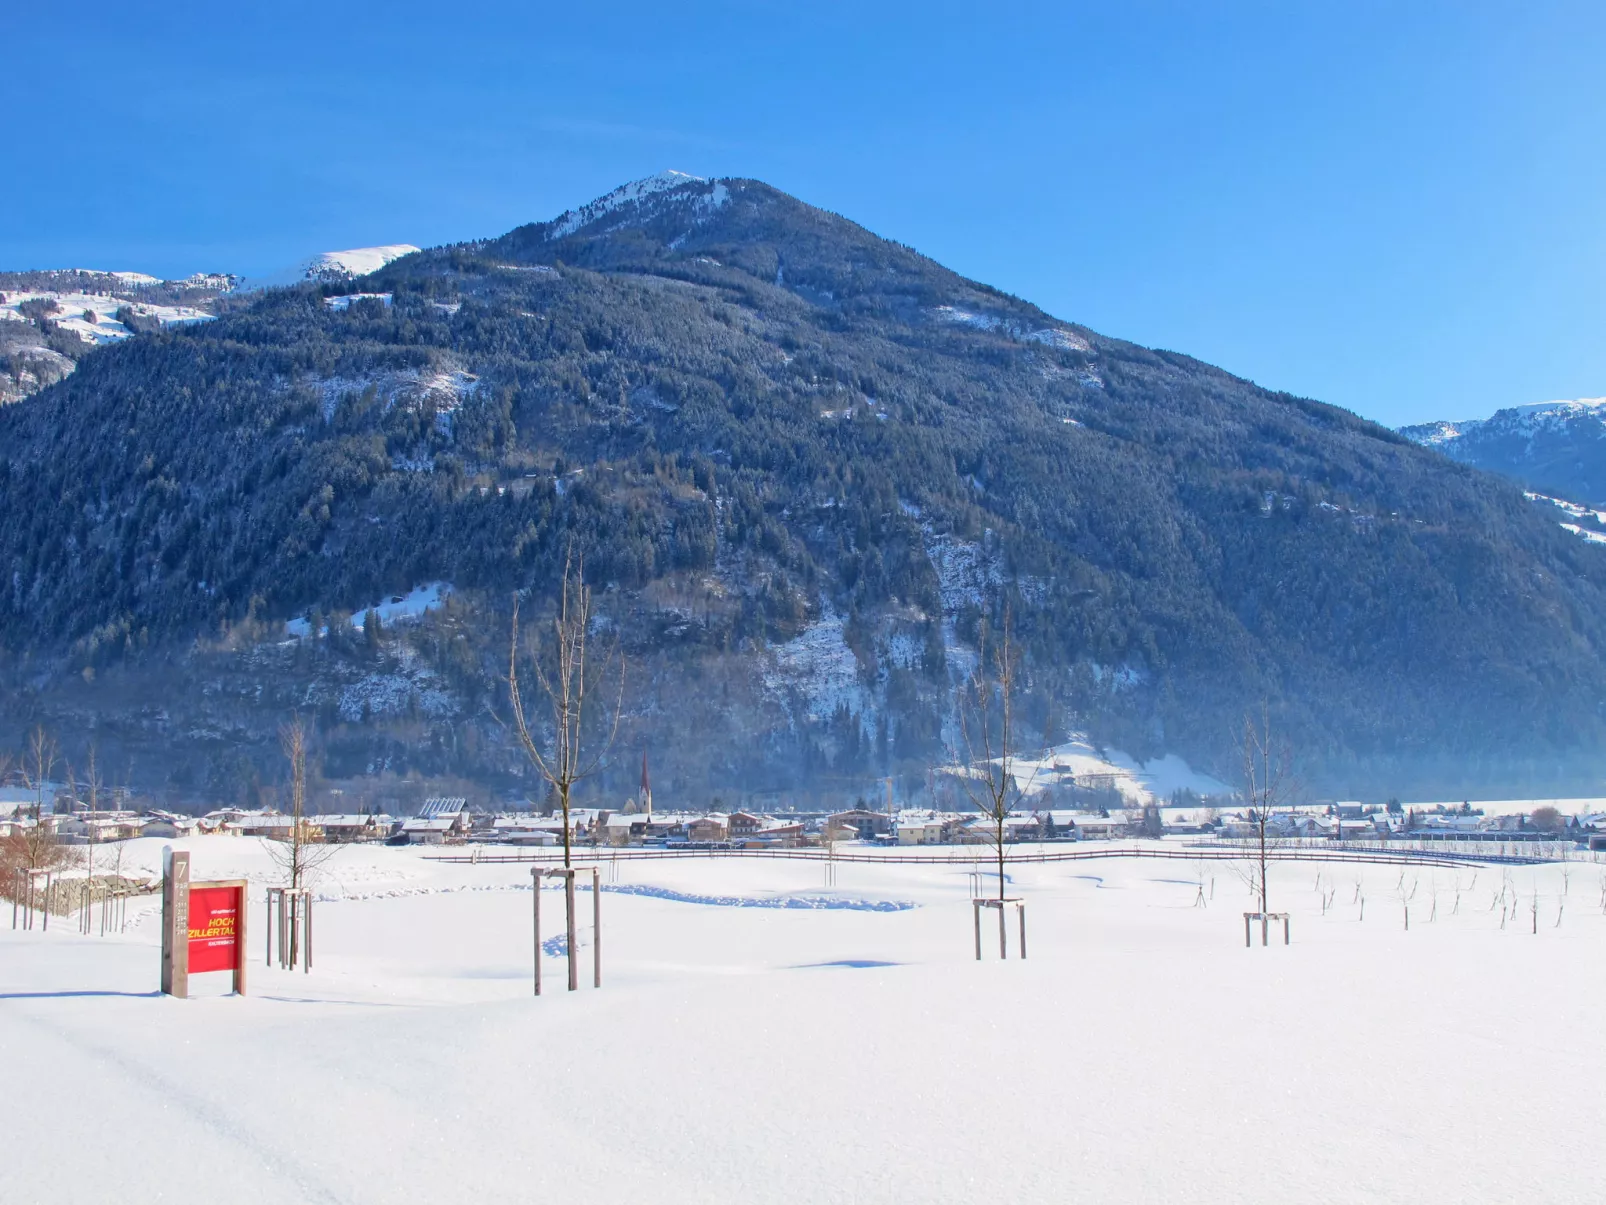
<point x="780" y="1054"/>
<point x="344" y="301"/>
<point x="1518" y="422"/>
<point x="637" y="192"/>
<point x="1050" y="337"/>
<point x="1592" y="535"/>
<point x="413" y="605"/>
<point x="819" y="665"/>
<point x="105" y="328"/>
<point x="331" y="266"/>
<point x="1139" y="782"/>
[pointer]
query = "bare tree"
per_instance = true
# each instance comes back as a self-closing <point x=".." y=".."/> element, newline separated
<point x="41" y="850"/>
<point x="298" y="853"/>
<point x="92" y="786"/>
<point x="34" y="846"/>
<point x="986" y="723"/>
<point x="572" y="677"/>
<point x="1266" y="783"/>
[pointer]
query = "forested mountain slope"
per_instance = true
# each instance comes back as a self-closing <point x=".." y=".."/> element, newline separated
<point x="802" y="463"/>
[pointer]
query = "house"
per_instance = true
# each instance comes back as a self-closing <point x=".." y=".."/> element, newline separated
<point x="713" y="827"/>
<point x="921" y="828"/>
<point x="1100" y="828"/>
<point x="623" y="829"/>
<point x="348" y="829"/>
<point x="787" y="834"/>
<point x="429" y="830"/>
<point x="85" y="829"/>
<point x="863" y="821"/>
<point x="526" y="830"/>
<point x="276" y="828"/>
<point x="441" y="821"/>
<point x="745" y="824"/>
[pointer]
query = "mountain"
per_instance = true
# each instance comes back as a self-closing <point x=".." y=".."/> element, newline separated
<point x="50" y="319"/>
<point x="1554" y="447"/>
<point x="804" y="466"/>
<point x="331" y="267"/>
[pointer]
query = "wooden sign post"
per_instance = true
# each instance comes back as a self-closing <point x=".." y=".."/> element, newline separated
<point x="203" y="926"/>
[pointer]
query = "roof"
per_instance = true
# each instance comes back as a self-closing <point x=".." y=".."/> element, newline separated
<point x="443" y="806"/>
<point x="421" y="824"/>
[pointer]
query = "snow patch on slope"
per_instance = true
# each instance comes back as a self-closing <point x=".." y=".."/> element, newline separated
<point x="1584" y="513"/>
<point x="1516" y="422"/>
<point x="1140" y="782"/>
<point x="637" y="192"/>
<point x="90" y="316"/>
<point x="331" y="266"/>
<point x="818" y="664"/>
<point x="1053" y="336"/>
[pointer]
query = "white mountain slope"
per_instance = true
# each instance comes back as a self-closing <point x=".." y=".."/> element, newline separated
<point x="333" y="266"/>
<point x="636" y="193"/>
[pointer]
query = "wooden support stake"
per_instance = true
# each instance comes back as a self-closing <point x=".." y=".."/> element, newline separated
<point x="596" y="928"/>
<point x="240" y="935"/>
<point x="1021" y="910"/>
<point x="975" y="906"/>
<point x="568" y="901"/>
<point x="535" y="886"/>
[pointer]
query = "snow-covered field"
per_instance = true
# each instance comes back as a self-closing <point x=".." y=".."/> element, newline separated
<point x="91" y="316"/>
<point x="854" y="1053"/>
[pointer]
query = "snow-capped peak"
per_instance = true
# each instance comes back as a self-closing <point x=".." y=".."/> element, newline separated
<point x="1512" y="421"/>
<point x="333" y="266"/>
<point x="635" y="192"/>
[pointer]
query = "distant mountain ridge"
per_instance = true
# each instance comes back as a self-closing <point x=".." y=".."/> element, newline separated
<point x="1556" y="448"/>
<point x="50" y="318"/>
<point x="808" y="468"/>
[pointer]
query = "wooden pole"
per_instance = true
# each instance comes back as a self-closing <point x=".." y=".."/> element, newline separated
<point x="568" y="902"/>
<point x="535" y="887"/>
<point x="306" y="964"/>
<point x="975" y="907"/>
<point x="596" y="928"/>
<point x="239" y="942"/>
<point x="267" y="928"/>
<point x="1021" y="909"/>
<point x="175" y="923"/>
<point x="1247" y="942"/>
<point x="1003" y="933"/>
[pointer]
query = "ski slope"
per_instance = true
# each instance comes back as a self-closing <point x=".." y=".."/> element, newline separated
<point x="776" y="1054"/>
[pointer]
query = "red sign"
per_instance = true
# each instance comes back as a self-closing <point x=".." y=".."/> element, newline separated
<point x="215" y="928"/>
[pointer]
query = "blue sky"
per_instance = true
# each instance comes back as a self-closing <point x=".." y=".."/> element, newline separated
<point x="1400" y="208"/>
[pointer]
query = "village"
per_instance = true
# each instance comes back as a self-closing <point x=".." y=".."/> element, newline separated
<point x="449" y="820"/>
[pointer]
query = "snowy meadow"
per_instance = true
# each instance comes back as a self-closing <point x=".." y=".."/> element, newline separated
<point x="766" y="1035"/>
